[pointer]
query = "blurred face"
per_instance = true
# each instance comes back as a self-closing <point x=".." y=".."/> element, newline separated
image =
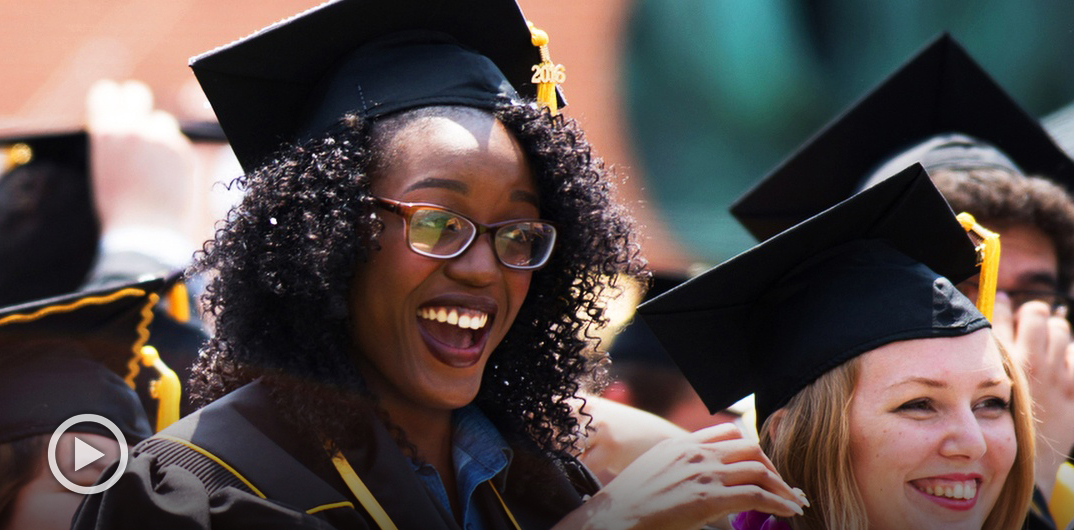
<point x="1028" y="265"/>
<point x="43" y="503"/>
<point x="411" y="357"/>
<point x="931" y="432"/>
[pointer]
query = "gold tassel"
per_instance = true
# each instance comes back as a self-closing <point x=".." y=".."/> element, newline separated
<point x="179" y="302"/>
<point x="165" y="389"/>
<point x="14" y="156"/>
<point x="546" y="75"/>
<point x="987" y="248"/>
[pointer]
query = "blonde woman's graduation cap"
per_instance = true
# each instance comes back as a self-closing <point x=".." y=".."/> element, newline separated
<point x="873" y="269"/>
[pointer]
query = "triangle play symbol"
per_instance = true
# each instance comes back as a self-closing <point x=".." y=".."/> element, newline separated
<point x="85" y="454"/>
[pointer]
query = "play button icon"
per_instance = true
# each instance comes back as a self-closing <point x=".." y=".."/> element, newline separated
<point x="85" y="454"/>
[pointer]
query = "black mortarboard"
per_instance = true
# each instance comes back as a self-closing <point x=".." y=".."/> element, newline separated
<point x="635" y="343"/>
<point x="940" y="90"/>
<point x="48" y="225"/>
<point x="297" y="77"/>
<point x="874" y="269"/>
<point x="75" y="354"/>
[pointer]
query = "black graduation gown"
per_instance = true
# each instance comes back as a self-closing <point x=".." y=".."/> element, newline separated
<point x="177" y="479"/>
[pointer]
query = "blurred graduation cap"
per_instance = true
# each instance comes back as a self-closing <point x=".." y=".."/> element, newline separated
<point x="296" y="78"/>
<point x="48" y="225"/>
<point x="635" y="343"/>
<point x="940" y="90"/>
<point x="203" y="131"/>
<point x="873" y="269"/>
<point x="80" y="353"/>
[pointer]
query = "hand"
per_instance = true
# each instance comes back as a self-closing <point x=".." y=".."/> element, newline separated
<point x="1041" y="342"/>
<point x="142" y="164"/>
<point x="619" y="434"/>
<point x="690" y="481"/>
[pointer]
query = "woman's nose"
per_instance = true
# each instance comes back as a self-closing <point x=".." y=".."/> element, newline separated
<point x="964" y="437"/>
<point x="478" y="265"/>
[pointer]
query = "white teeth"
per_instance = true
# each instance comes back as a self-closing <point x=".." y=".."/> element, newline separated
<point x="966" y="489"/>
<point x="461" y="317"/>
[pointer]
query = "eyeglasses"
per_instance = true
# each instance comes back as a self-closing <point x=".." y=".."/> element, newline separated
<point x="1054" y="299"/>
<point x="437" y="232"/>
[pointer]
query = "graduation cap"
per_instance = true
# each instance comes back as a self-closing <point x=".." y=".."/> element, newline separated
<point x="296" y="78"/>
<point x="48" y="225"/>
<point x="79" y="354"/>
<point x="635" y="343"/>
<point x="941" y="90"/>
<point x="876" y="268"/>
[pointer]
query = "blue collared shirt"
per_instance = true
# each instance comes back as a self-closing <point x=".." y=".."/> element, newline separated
<point x="478" y="452"/>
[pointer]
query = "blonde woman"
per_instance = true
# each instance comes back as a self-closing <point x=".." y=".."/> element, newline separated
<point x="881" y="390"/>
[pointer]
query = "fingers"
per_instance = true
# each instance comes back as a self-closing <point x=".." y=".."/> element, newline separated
<point x="716" y="433"/>
<point x="1058" y="341"/>
<point x="752" y="497"/>
<point x="753" y="472"/>
<point x="1068" y="371"/>
<point x="1032" y="335"/>
<point x="115" y="106"/>
<point x="1003" y="320"/>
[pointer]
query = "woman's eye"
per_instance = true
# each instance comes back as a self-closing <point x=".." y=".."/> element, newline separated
<point x="993" y="404"/>
<point x="916" y="405"/>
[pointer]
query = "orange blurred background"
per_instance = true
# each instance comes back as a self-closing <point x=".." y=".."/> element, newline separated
<point x="55" y="49"/>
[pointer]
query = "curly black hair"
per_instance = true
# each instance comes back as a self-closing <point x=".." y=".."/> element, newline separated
<point x="282" y="264"/>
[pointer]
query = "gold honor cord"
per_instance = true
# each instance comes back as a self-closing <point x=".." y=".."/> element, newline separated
<point x="546" y="75"/>
<point x="987" y="247"/>
<point x="362" y="493"/>
<point x="375" y="510"/>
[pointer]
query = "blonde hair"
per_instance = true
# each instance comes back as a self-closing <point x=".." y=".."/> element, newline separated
<point x="808" y="440"/>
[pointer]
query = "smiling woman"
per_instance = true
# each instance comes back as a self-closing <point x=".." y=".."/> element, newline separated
<point x="880" y="389"/>
<point x="401" y="301"/>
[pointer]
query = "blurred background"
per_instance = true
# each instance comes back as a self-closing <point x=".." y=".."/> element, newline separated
<point x="690" y="100"/>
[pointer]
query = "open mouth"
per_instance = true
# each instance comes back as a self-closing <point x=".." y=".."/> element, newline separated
<point x="455" y="334"/>
<point x="949" y="492"/>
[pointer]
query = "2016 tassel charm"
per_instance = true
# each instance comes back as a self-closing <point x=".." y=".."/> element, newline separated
<point x="546" y="75"/>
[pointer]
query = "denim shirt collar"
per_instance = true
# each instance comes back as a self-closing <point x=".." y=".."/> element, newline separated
<point x="479" y="453"/>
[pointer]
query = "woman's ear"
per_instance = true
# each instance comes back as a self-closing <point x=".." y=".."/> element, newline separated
<point x="773" y="423"/>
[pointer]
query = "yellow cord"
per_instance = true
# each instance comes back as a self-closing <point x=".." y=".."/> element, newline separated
<point x="546" y="75"/>
<point x="987" y="248"/>
<point x="510" y="515"/>
<point x="375" y="510"/>
<point x="362" y="493"/>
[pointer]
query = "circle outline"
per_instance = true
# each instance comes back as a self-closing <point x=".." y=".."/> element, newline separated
<point x="67" y="424"/>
